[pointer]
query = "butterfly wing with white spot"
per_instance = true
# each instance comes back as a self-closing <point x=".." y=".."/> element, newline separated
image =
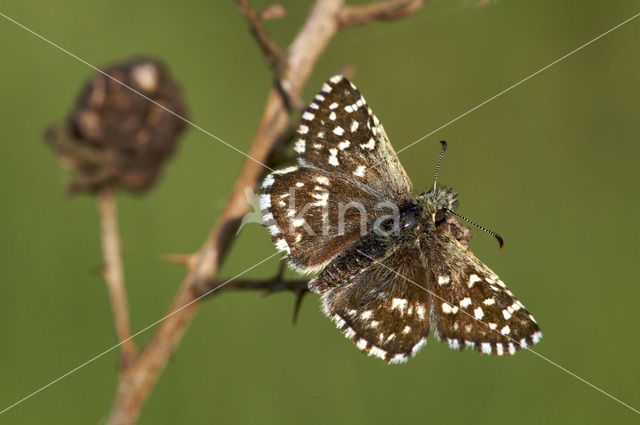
<point x="472" y="306"/>
<point x="340" y="134"/>
<point x="310" y="215"/>
<point x="380" y="311"/>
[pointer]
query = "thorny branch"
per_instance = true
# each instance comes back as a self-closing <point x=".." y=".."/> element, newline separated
<point x="269" y="286"/>
<point x="295" y="66"/>
<point x="379" y="11"/>
<point x="270" y="49"/>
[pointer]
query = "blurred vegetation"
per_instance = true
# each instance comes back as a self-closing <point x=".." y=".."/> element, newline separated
<point x="550" y="165"/>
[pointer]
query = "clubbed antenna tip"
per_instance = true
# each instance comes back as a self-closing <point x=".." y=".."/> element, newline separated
<point x="444" y="148"/>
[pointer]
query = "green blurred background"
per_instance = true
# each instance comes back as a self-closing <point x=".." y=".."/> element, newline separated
<point x="551" y="165"/>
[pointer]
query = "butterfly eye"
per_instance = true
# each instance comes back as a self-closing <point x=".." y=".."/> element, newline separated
<point x="409" y="216"/>
<point x="439" y="216"/>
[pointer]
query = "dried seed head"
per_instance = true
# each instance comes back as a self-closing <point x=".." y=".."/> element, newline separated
<point x="115" y="137"/>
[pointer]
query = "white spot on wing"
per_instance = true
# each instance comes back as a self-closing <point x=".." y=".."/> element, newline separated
<point x="359" y="172"/>
<point x="339" y="321"/>
<point x="369" y="145"/>
<point x="473" y="279"/>
<point x="448" y="309"/>
<point x="478" y="313"/>
<point x="418" y="346"/>
<point x="268" y="181"/>
<point x="286" y="170"/>
<point x="344" y="144"/>
<point x="398" y="358"/>
<point x="274" y="230"/>
<point x="378" y="352"/>
<point x="265" y="201"/>
<point x="338" y="131"/>
<point x="465" y="302"/>
<point x="299" y="146"/>
<point x="282" y="245"/>
<point x="489" y="301"/>
<point x="333" y="159"/>
<point x="443" y="280"/>
<point x="399" y="303"/>
<point x="536" y="337"/>
<point x="308" y="116"/>
<point x="349" y="333"/>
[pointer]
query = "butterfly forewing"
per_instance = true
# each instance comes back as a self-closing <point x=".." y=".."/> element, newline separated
<point x="347" y="167"/>
<point x="308" y="214"/>
<point x="339" y="132"/>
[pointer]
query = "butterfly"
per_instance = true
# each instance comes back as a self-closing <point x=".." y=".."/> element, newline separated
<point x="388" y="265"/>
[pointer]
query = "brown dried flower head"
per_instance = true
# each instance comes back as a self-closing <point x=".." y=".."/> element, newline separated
<point x="116" y="138"/>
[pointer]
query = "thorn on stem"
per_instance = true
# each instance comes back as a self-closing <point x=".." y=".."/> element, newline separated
<point x="187" y="260"/>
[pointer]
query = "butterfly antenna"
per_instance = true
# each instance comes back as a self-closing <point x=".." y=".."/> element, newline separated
<point x="494" y="234"/>
<point x="444" y="148"/>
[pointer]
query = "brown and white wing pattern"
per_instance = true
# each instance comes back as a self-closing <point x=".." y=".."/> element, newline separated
<point x="308" y="215"/>
<point x="339" y="133"/>
<point x="379" y="309"/>
<point x="472" y="307"/>
<point x="347" y="169"/>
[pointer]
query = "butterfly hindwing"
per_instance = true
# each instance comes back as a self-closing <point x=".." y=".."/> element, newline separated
<point x="472" y="305"/>
<point x="380" y="311"/>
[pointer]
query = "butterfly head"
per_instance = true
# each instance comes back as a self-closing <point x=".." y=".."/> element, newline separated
<point x="436" y="204"/>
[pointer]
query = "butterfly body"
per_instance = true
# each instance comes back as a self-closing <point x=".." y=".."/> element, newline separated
<point x="390" y="266"/>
